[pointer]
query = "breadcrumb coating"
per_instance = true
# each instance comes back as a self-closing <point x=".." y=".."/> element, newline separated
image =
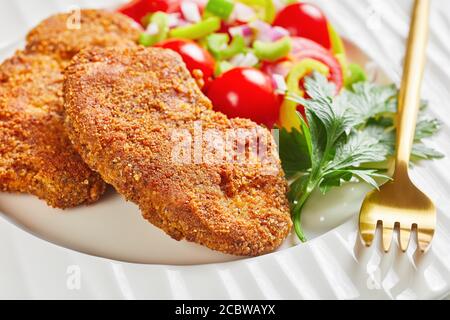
<point x="122" y="107"/>
<point x="60" y="35"/>
<point x="36" y="155"/>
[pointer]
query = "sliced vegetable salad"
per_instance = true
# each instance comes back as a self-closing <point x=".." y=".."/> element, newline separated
<point x="251" y="49"/>
<point x="281" y="64"/>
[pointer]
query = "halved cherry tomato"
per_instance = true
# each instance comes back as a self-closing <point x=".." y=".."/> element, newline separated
<point x="305" y="20"/>
<point x="247" y="93"/>
<point x="138" y="9"/>
<point x="194" y="56"/>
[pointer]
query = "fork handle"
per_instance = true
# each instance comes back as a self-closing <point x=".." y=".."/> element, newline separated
<point x="409" y="96"/>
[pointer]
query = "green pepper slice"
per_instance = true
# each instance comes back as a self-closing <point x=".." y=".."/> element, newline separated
<point x="272" y="51"/>
<point x="162" y="21"/>
<point x="197" y="30"/>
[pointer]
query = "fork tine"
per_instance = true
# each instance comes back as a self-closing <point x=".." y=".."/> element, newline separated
<point x="367" y="230"/>
<point x="404" y="236"/>
<point x="388" y="228"/>
<point x="424" y="236"/>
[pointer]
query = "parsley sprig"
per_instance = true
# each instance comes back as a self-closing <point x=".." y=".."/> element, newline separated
<point x="344" y="137"/>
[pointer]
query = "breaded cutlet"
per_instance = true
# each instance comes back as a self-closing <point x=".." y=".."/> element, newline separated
<point x="36" y="155"/>
<point x="123" y="107"/>
<point x="60" y="35"/>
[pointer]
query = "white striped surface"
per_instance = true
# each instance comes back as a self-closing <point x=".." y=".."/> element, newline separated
<point x="333" y="266"/>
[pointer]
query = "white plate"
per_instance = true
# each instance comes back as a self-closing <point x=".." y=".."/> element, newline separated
<point x="333" y="265"/>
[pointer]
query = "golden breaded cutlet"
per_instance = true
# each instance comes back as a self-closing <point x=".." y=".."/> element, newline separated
<point x="122" y="107"/>
<point x="36" y="155"/>
<point x="60" y="35"/>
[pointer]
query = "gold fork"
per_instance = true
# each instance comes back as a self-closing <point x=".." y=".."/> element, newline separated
<point x="399" y="203"/>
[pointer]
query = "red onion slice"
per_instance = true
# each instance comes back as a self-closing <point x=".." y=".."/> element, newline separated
<point x="152" y="29"/>
<point x="190" y="11"/>
<point x="277" y="33"/>
<point x="244" y="60"/>
<point x="242" y="13"/>
<point x="174" y="19"/>
<point x="243" y="30"/>
<point x="279" y="83"/>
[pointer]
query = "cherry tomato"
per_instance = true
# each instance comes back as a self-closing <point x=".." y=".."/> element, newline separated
<point x="138" y="9"/>
<point x="246" y="93"/>
<point x="305" y="20"/>
<point x="194" y="56"/>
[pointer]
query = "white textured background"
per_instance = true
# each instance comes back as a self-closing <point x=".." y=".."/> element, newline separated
<point x="33" y="268"/>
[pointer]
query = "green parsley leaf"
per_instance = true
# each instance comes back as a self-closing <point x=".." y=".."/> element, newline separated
<point x="294" y="151"/>
<point x="360" y="147"/>
<point x="368" y="100"/>
<point x="422" y="152"/>
<point x="426" y="128"/>
<point x="349" y="136"/>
